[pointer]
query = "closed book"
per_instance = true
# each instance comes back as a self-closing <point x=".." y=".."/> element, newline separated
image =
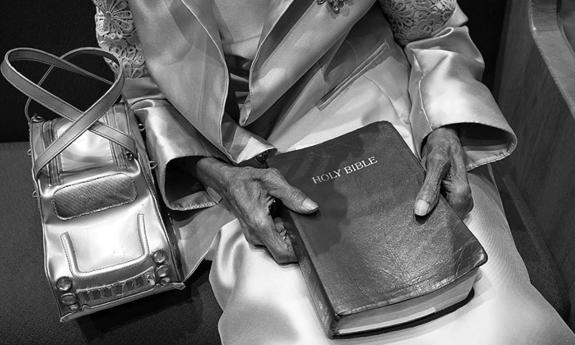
<point x="369" y="262"/>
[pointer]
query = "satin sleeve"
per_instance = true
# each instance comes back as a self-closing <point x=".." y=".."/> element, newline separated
<point x="444" y="84"/>
<point x="170" y="140"/>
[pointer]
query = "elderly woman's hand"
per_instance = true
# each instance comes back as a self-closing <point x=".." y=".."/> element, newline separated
<point x="248" y="193"/>
<point x="444" y="161"/>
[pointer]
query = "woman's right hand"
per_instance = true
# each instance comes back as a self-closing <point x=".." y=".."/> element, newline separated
<point x="248" y="193"/>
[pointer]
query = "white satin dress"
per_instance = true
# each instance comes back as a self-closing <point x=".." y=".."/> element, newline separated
<point x="267" y="304"/>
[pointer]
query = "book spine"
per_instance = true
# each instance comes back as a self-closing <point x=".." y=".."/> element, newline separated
<point x="323" y="307"/>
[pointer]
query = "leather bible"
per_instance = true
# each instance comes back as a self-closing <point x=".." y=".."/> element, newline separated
<point x="369" y="262"/>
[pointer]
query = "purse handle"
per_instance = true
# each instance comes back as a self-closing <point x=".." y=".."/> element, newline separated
<point x="78" y="70"/>
<point x="81" y="122"/>
<point x="73" y="113"/>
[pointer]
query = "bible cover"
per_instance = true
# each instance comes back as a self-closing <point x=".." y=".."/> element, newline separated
<point x="368" y="261"/>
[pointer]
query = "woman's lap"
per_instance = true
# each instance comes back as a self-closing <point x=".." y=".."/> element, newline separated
<point x="265" y="303"/>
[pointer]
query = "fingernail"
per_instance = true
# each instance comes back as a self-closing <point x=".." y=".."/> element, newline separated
<point x="421" y="207"/>
<point x="310" y="205"/>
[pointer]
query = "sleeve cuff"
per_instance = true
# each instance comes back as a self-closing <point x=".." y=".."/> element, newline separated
<point x="169" y="139"/>
<point x="445" y="90"/>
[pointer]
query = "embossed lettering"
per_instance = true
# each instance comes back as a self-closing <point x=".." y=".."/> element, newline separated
<point x="348" y="169"/>
<point x="327" y="176"/>
<point x="360" y="165"/>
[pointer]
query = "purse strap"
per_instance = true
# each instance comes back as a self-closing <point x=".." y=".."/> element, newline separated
<point x="81" y="122"/>
<point x="72" y="113"/>
<point x="68" y="56"/>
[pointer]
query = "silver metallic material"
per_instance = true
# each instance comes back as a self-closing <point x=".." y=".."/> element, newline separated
<point x="64" y="284"/>
<point x="93" y="297"/>
<point x="96" y="194"/>
<point x="159" y="257"/>
<point x="68" y="299"/>
<point x="105" y="251"/>
<point x="162" y="272"/>
<point x="37" y="118"/>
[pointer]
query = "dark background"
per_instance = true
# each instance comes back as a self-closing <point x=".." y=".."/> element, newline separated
<point x="61" y="25"/>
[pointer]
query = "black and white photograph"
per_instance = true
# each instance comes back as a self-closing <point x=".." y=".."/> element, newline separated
<point x="287" y="172"/>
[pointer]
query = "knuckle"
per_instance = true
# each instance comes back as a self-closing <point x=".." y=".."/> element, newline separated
<point x="442" y="156"/>
<point x="463" y="209"/>
<point x="462" y="201"/>
<point x="265" y="175"/>
<point x="282" y="257"/>
<point x="436" y="161"/>
<point x="294" y="195"/>
<point x="431" y="186"/>
<point x="262" y="222"/>
<point x="244" y="172"/>
<point x="271" y="175"/>
<point x="282" y="253"/>
<point x="273" y="172"/>
<point x="456" y="148"/>
<point x="433" y="178"/>
<point x="250" y="236"/>
<point x="248" y="174"/>
<point x="259" y="225"/>
<point x="462" y="191"/>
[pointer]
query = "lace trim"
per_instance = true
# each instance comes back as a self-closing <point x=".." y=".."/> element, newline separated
<point x="416" y="19"/>
<point x="116" y="33"/>
<point x="115" y="30"/>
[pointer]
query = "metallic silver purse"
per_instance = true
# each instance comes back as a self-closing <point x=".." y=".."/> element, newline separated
<point x="105" y="243"/>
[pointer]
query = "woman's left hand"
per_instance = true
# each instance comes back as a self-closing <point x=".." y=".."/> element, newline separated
<point x="444" y="161"/>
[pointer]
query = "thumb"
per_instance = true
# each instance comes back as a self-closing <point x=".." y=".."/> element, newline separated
<point x="429" y="193"/>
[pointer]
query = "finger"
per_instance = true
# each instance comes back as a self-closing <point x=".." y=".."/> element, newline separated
<point x="291" y="197"/>
<point x="249" y="234"/>
<point x="244" y="212"/>
<point x="437" y="168"/>
<point x="458" y="191"/>
<point x="276" y="242"/>
<point x="460" y="200"/>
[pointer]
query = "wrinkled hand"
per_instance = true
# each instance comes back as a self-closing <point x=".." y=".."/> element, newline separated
<point x="443" y="159"/>
<point x="248" y="193"/>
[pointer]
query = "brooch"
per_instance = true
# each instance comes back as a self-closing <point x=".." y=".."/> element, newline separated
<point x="334" y="5"/>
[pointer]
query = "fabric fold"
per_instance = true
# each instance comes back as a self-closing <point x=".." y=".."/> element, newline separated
<point x="445" y="89"/>
<point x="170" y="138"/>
